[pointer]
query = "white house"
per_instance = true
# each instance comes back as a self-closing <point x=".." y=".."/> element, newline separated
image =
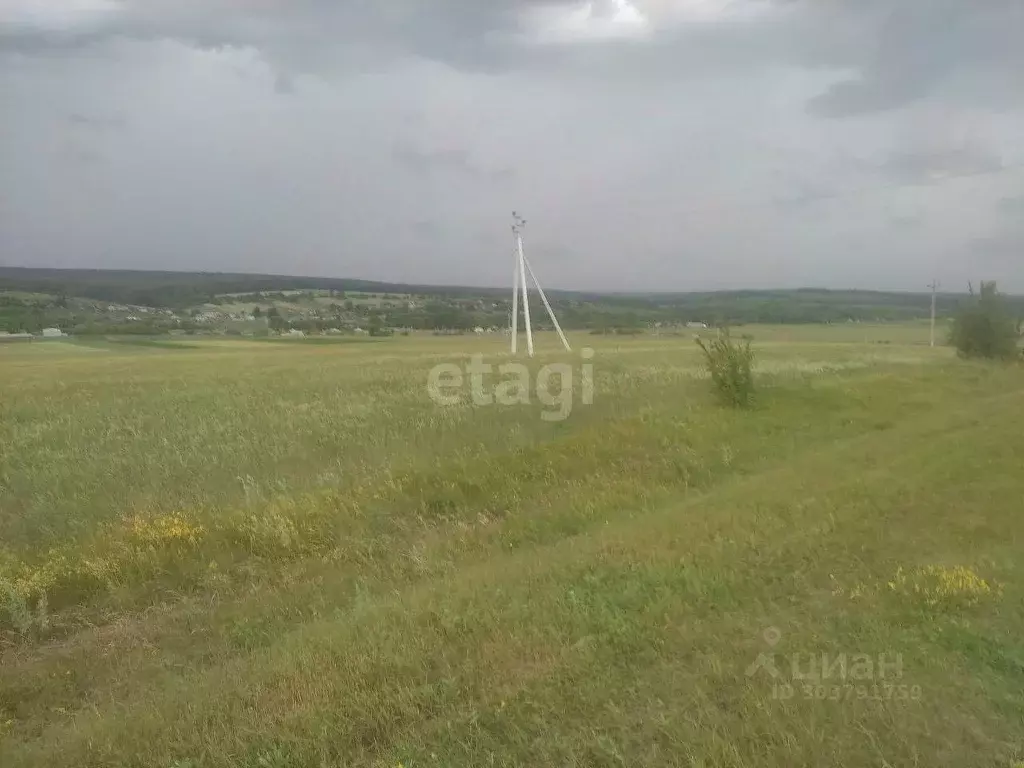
<point x="52" y="333"/>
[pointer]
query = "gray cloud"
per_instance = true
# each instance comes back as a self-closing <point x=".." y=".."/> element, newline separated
<point x="76" y="155"/>
<point x="907" y="50"/>
<point x="457" y="160"/>
<point x="1012" y="206"/>
<point x="101" y="123"/>
<point x="1003" y="246"/>
<point x="282" y="26"/>
<point x="910" y="51"/>
<point x="905" y="221"/>
<point x="1001" y="250"/>
<point x="930" y="166"/>
<point x="892" y="53"/>
<point x="391" y="140"/>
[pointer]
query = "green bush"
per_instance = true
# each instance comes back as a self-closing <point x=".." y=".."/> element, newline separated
<point x="376" y="329"/>
<point x="730" y="364"/>
<point x="984" y="328"/>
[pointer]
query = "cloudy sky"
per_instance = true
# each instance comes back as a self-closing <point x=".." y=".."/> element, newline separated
<point x="651" y="144"/>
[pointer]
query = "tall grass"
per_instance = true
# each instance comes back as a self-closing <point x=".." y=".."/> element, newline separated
<point x="255" y="554"/>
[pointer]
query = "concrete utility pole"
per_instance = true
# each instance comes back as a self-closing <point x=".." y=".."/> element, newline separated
<point x="935" y="287"/>
<point x="517" y="227"/>
<point x="519" y="292"/>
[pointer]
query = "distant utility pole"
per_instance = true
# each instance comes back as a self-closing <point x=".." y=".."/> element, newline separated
<point x="519" y="292"/>
<point x="935" y="287"/>
<point x="518" y="222"/>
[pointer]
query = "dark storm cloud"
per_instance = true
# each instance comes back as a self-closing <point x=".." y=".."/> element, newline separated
<point x="895" y="53"/>
<point x="906" y="45"/>
<point x="685" y="151"/>
<point x="909" y="49"/>
<point x="273" y="23"/>
<point x="908" y="54"/>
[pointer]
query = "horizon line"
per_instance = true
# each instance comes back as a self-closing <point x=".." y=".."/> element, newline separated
<point x="925" y="290"/>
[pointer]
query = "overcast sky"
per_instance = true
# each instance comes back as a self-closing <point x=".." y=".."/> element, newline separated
<point x="652" y="144"/>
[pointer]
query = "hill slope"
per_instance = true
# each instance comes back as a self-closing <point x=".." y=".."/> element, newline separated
<point x="350" y="575"/>
<point x="454" y="306"/>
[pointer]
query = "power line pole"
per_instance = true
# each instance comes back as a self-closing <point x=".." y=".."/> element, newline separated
<point x="519" y="292"/>
<point x="935" y="287"/>
<point x="515" y="305"/>
<point x="518" y="222"/>
<point x="547" y="305"/>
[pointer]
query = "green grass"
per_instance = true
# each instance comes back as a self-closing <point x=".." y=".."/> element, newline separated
<point x="328" y="340"/>
<point x="287" y="555"/>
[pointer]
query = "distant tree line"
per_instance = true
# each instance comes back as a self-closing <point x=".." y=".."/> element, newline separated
<point x="438" y="308"/>
<point x="173" y="290"/>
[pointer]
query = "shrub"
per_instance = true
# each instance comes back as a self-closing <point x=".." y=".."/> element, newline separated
<point x="983" y="328"/>
<point x="730" y="364"/>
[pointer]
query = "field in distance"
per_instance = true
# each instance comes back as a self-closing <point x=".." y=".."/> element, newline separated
<point x="286" y="553"/>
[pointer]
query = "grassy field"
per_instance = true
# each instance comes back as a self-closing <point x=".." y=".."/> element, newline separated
<point x="231" y="553"/>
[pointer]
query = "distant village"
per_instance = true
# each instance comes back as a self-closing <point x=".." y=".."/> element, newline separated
<point x="293" y="314"/>
<point x="142" y="305"/>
